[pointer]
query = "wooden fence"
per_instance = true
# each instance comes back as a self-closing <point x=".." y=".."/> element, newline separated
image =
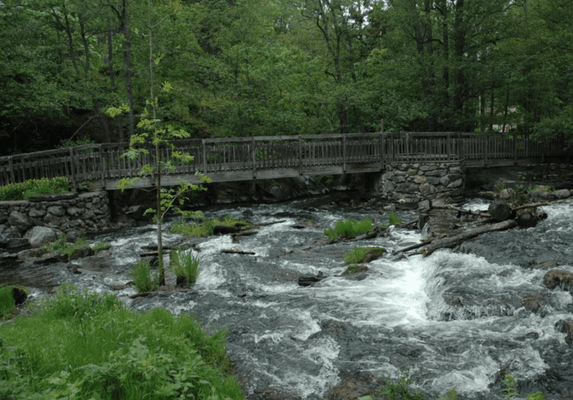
<point x="269" y="157"/>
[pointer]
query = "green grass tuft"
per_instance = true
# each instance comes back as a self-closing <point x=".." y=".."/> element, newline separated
<point x="144" y="278"/>
<point x="101" y="246"/>
<point x="363" y="254"/>
<point x="83" y="346"/>
<point x="393" y="219"/>
<point x="185" y="266"/>
<point x="205" y="226"/>
<point x="33" y="187"/>
<point x="349" y="228"/>
<point x="61" y="245"/>
<point x="7" y="305"/>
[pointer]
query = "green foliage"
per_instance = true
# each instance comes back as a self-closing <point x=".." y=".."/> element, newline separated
<point x="144" y="278"/>
<point x="363" y="254"/>
<point x="61" y="245"/>
<point x="33" y="187"/>
<point x="86" y="346"/>
<point x="185" y="266"/>
<point x="451" y="395"/>
<point x="326" y="180"/>
<point x="101" y="246"/>
<point x="204" y="226"/>
<point x="399" y="389"/>
<point x="535" y="396"/>
<point x="349" y="228"/>
<point x="7" y="305"/>
<point x="393" y="219"/>
<point x="510" y="389"/>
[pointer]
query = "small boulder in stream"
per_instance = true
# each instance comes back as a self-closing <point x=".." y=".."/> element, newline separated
<point x="353" y="386"/>
<point x="309" y="280"/>
<point x="499" y="211"/>
<point x="566" y="326"/>
<point x="556" y="277"/>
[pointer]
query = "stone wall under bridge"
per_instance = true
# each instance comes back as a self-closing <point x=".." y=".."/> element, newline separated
<point x="416" y="182"/>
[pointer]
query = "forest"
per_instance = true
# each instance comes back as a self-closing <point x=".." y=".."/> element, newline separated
<point x="75" y="71"/>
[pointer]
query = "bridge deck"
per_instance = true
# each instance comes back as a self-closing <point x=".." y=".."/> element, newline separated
<point x="270" y="157"/>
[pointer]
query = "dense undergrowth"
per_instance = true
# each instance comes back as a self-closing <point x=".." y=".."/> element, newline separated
<point x="77" y="345"/>
<point x="33" y="187"/>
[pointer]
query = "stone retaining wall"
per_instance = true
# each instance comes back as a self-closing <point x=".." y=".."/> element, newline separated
<point x="87" y="212"/>
<point x="414" y="182"/>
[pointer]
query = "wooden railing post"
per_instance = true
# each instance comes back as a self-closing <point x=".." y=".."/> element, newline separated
<point x="253" y="144"/>
<point x="204" y="151"/>
<point x="515" y="149"/>
<point x="460" y="147"/>
<point x="102" y="166"/>
<point x="299" y="155"/>
<point x="11" y="167"/>
<point x="449" y="139"/>
<point x="344" y="153"/>
<point x="486" y="149"/>
<point x="73" y="168"/>
<point x="408" y="147"/>
<point x="381" y="145"/>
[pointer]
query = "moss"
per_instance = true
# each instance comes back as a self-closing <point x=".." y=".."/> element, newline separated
<point x="355" y="269"/>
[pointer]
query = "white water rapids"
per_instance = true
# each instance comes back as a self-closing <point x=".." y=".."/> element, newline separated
<point x="453" y="319"/>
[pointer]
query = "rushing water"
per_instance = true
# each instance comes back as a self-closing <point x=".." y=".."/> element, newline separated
<point x="454" y="319"/>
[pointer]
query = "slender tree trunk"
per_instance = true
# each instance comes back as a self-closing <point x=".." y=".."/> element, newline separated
<point x="127" y="62"/>
<point x="112" y="78"/>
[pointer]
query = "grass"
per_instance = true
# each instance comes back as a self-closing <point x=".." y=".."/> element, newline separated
<point x="144" y="278"/>
<point x="204" y="227"/>
<point x="33" y="187"/>
<point x="61" y="245"/>
<point x="7" y="305"/>
<point x="78" y="345"/>
<point x="185" y="266"/>
<point x="354" y="269"/>
<point x="363" y="254"/>
<point x="393" y="219"/>
<point x="349" y="228"/>
<point x="101" y="246"/>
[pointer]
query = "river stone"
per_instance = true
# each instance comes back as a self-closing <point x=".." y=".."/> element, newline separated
<point x="560" y="278"/>
<point x="41" y="256"/>
<point x="353" y="386"/>
<point x="57" y="210"/>
<point x="499" y="210"/>
<point x="534" y="302"/>
<point x="20" y="221"/>
<point x="37" y="213"/>
<point x="81" y="252"/>
<point x="562" y="194"/>
<point x="40" y="235"/>
<point x="309" y="280"/>
<point x="541" y="195"/>
<point x="566" y="326"/>
<point x="270" y="393"/>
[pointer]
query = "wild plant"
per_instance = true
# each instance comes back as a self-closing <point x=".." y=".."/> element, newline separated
<point x="7" y="305"/>
<point x="185" y="266"/>
<point x="349" y="228"/>
<point x="144" y="278"/>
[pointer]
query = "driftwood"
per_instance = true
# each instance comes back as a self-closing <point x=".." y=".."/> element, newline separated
<point x="531" y="206"/>
<point x="238" y="252"/>
<point x="462" y="211"/>
<point x="453" y="241"/>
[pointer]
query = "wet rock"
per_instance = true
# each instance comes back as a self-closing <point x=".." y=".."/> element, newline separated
<point x="562" y="194"/>
<point x="270" y="393"/>
<point x="20" y="221"/>
<point x="81" y="252"/>
<point x="355" y="269"/>
<point x="73" y="268"/>
<point x="566" y="326"/>
<point x="309" y="280"/>
<point x="96" y="263"/>
<point x="41" y="256"/>
<point x="499" y="211"/>
<point x="528" y="336"/>
<point x="541" y="194"/>
<point x="225" y="230"/>
<point x="534" y="302"/>
<point x="19" y="295"/>
<point x="546" y="265"/>
<point x="560" y="278"/>
<point x="353" y="386"/>
<point x="373" y="254"/>
<point x="40" y="235"/>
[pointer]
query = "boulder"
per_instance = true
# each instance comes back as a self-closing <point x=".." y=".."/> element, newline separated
<point x="541" y="195"/>
<point x="560" y="278"/>
<point x="81" y="252"/>
<point x="499" y="210"/>
<point x="40" y="235"/>
<point x="566" y="326"/>
<point x="534" y="302"/>
<point x="309" y="280"/>
<point x="562" y="194"/>
<point x="20" y="221"/>
<point x="225" y="230"/>
<point x="353" y="386"/>
<point x="41" y="256"/>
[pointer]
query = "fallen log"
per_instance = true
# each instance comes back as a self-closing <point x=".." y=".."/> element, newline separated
<point x="238" y="252"/>
<point x="449" y="242"/>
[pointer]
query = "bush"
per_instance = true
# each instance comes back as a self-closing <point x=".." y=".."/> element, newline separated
<point x="185" y="266"/>
<point x="349" y="228"/>
<point x="110" y="352"/>
<point x="363" y="254"/>
<point x="33" y="187"/>
<point x="143" y="278"/>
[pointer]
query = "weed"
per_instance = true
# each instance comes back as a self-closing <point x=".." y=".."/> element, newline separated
<point x="7" y="305"/>
<point x="101" y="246"/>
<point x="61" y="245"/>
<point x="204" y="227"/>
<point x="393" y="219"/>
<point x="185" y="266"/>
<point x="363" y="254"/>
<point x="399" y="389"/>
<point x="143" y="277"/>
<point x="349" y="228"/>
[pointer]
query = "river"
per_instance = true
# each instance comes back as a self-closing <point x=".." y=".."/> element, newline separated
<point x="454" y="319"/>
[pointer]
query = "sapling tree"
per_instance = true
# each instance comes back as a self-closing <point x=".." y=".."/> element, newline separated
<point x="154" y="135"/>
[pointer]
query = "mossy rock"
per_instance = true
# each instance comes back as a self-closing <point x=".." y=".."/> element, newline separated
<point x="373" y="253"/>
<point x="355" y="269"/>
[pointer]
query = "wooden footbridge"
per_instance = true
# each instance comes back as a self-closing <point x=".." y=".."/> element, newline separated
<point x="101" y="166"/>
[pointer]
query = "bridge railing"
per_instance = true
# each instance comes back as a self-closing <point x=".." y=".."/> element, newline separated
<point x="250" y="157"/>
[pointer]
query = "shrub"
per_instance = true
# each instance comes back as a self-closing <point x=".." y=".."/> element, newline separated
<point x="185" y="266"/>
<point x="111" y="353"/>
<point x="363" y="254"/>
<point x="143" y="278"/>
<point x="349" y="228"/>
<point x="7" y="305"/>
<point x="33" y="187"/>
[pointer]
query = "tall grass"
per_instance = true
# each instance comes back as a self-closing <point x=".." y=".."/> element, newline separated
<point x="33" y="187"/>
<point x="78" y="345"/>
<point x="185" y="266"/>
<point x="349" y="228"/>
<point x="144" y="278"/>
<point x="7" y="305"/>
